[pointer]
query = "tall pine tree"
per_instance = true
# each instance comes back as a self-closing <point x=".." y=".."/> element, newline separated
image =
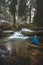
<point x="38" y="19"/>
<point x="13" y="8"/>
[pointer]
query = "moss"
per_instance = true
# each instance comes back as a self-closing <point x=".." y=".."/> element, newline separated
<point x="28" y="33"/>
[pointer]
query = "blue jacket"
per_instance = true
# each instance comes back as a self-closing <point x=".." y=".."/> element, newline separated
<point x="35" y="41"/>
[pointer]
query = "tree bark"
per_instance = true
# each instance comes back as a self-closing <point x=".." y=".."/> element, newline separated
<point x="14" y="18"/>
<point x="39" y="12"/>
<point x="30" y="15"/>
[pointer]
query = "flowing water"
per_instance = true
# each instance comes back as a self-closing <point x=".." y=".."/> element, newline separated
<point x="17" y="50"/>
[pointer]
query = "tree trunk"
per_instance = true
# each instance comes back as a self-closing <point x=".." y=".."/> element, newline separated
<point x="30" y="15"/>
<point x="39" y="12"/>
<point x="14" y="18"/>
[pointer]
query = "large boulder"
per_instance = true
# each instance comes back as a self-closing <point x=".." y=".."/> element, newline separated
<point x="4" y="25"/>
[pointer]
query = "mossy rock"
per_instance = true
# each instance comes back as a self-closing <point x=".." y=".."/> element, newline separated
<point x="29" y="33"/>
<point x="36" y="28"/>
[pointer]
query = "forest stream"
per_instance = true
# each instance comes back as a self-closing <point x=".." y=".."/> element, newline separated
<point x="18" y="50"/>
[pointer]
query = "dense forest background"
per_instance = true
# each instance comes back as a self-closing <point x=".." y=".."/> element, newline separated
<point x="29" y="12"/>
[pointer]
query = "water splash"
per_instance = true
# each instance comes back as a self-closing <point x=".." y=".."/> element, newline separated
<point x="18" y="35"/>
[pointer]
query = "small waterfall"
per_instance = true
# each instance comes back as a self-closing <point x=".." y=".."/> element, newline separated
<point x="18" y="35"/>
